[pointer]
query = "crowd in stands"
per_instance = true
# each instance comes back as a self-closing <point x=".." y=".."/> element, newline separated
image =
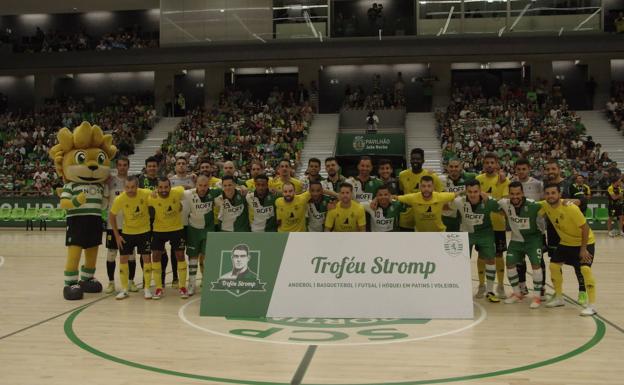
<point x="241" y="129"/>
<point x="615" y="106"/>
<point x="26" y="137"/>
<point x="61" y="41"/>
<point x="533" y="123"/>
<point x="380" y="98"/>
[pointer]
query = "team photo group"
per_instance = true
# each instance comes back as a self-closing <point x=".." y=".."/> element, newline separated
<point x="544" y="217"/>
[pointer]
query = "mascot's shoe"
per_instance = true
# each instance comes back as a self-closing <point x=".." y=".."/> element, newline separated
<point x="72" y="293"/>
<point x="91" y="286"/>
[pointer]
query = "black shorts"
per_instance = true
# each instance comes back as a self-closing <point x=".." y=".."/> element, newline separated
<point x="570" y="255"/>
<point x="139" y="241"/>
<point x="176" y="240"/>
<point x="500" y="238"/>
<point x="615" y="210"/>
<point x="84" y="231"/>
<point x="111" y="244"/>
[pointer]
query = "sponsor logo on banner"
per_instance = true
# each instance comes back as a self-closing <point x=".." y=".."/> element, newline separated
<point x="453" y="245"/>
<point x="239" y="271"/>
<point x="359" y="144"/>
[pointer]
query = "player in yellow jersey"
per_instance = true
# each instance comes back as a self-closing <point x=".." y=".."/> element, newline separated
<point x="348" y="215"/>
<point x="409" y="182"/>
<point x="576" y="247"/>
<point x="205" y="167"/>
<point x="290" y="210"/>
<point x="257" y="168"/>
<point x="427" y="205"/>
<point x="168" y="227"/>
<point x="495" y="183"/>
<point x="283" y="176"/>
<point x="133" y="204"/>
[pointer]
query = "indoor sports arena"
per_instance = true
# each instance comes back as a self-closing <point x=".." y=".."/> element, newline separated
<point x="183" y="184"/>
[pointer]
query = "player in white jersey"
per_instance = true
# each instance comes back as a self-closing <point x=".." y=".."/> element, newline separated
<point x="116" y="185"/>
<point x="200" y="202"/>
<point x="182" y="177"/>
<point x="533" y="189"/>
<point x="454" y="180"/>
<point x="317" y="207"/>
<point x="364" y="185"/>
<point x="261" y="205"/>
<point x="312" y="173"/>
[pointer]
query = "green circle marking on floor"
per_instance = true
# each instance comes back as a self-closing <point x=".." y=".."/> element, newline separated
<point x="70" y="333"/>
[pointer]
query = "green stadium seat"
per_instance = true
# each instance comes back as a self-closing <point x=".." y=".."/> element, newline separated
<point x="57" y="214"/>
<point x="589" y="214"/>
<point x="17" y="214"/>
<point x="5" y="214"/>
<point x="31" y="213"/>
<point x="44" y="213"/>
<point x="601" y="214"/>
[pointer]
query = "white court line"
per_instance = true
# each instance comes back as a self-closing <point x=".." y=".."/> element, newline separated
<point x="1" y="260"/>
<point x="182" y="316"/>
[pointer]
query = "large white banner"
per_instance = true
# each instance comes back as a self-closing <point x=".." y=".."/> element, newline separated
<point x="364" y="275"/>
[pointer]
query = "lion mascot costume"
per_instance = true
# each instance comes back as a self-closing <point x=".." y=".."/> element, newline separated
<point x="82" y="158"/>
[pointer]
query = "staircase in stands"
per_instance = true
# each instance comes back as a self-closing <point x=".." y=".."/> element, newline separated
<point x="420" y="131"/>
<point x="603" y="132"/>
<point x="148" y="146"/>
<point x="321" y="141"/>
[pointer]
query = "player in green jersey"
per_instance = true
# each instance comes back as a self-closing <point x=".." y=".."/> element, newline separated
<point x="317" y="206"/>
<point x="526" y="239"/>
<point x="455" y="181"/>
<point x="200" y="203"/>
<point x="364" y="185"/>
<point x="261" y="205"/>
<point x="384" y="212"/>
<point x="474" y="210"/>
<point x="231" y="207"/>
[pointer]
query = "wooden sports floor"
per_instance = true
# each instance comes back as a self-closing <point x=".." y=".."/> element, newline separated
<point x="47" y="340"/>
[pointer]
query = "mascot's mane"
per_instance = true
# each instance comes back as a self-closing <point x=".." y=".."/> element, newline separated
<point x="84" y="136"/>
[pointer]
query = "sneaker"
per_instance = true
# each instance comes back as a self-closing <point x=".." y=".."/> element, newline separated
<point x="589" y="311"/>
<point x="191" y="289"/>
<point x="536" y="303"/>
<point x="582" y="298"/>
<point x="122" y="295"/>
<point x="110" y="288"/>
<point x="500" y="292"/>
<point x="132" y="287"/>
<point x="492" y="297"/>
<point x="158" y="293"/>
<point x="183" y="293"/>
<point x="555" y="301"/>
<point x="147" y="294"/>
<point x="621" y="233"/>
<point x="175" y="283"/>
<point x="514" y="298"/>
<point x="480" y="292"/>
